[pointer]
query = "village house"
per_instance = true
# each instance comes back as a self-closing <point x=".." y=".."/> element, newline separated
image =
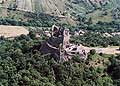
<point x="107" y="35"/>
<point x="79" y="32"/>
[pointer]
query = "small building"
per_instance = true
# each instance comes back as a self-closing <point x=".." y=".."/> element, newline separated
<point x="47" y="33"/>
<point x="116" y="33"/>
<point x="107" y="35"/>
<point x="76" y="49"/>
<point x="79" y="32"/>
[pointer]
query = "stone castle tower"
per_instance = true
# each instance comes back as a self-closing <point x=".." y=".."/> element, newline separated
<point x="56" y="32"/>
<point x="66" y="38"/>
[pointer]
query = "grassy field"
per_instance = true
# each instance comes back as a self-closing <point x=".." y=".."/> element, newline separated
<point x="12" y="31"/>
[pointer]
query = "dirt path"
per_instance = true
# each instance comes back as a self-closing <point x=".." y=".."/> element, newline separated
<point x="12" y="31"/>
<point x="108" y="50"/>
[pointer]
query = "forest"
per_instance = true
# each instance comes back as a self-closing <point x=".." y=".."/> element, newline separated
<point x="19" y="66"/>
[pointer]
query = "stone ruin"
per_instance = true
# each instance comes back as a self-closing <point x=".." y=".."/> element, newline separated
<point x="59" y="47"/>
<point x="69" y="50"/>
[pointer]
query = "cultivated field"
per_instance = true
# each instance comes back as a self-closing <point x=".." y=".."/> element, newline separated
<point x="12" y="31"/>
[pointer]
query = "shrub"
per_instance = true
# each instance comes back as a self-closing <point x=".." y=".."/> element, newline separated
<point x="93" y="52"/>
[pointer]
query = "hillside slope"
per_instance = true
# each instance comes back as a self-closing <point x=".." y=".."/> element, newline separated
<point x="58" y="6"/>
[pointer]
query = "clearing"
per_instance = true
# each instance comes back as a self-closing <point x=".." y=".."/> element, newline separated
<point x="12" y="31"/>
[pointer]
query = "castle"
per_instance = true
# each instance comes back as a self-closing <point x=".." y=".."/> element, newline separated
<point x="59" y="47"/>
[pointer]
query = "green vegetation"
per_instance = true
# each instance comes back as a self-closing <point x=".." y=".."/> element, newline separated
<point x="33" y="23"/>
<point x="31" y="19"/>
<point x="93" y="40"/>
<point x="99" y="34"/>
<point x="114" y="69"/>
<point x="19" y="66"/>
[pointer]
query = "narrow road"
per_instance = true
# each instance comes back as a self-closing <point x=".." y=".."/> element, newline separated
<point x="108" y="50"/>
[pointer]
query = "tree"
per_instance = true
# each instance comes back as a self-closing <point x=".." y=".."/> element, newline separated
<point x="90" y="21"/>
<point x="2" y="38"/>
<point x="32" y="35"/>
<point x="93" y="52"/>
<point x="114" y="69"/>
